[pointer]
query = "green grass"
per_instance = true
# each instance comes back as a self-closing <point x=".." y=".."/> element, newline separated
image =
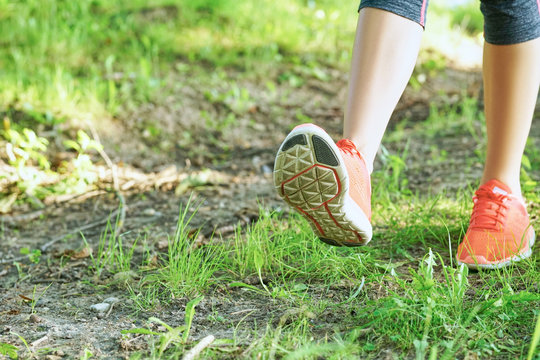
<point x="112" y="255"/>
<point x="78" y="65"/>
<point x="401" y="295"/>
<point x="432" y="308"/>
<point x="88" y="58"/>
<point x="186" y="269"/>
<point x="68" y="63"/>
<point x="394" y="301"/>
<point x="290" y="254"/>
<point x="91" y="58"/>
<point x="469" y="17"/>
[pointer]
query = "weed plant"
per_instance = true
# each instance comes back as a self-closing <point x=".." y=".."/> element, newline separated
<point x="186" y="269"/>
<point x="287" y="252"/>
<point x="402" y="295"/>
<point x="397" y="304"/>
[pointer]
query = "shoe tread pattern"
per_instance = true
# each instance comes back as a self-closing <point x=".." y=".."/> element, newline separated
<point x="315" y="189"/>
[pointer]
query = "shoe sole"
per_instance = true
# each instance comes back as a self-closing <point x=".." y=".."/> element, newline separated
<point x="310" y="175"/>
<point x="503" y="263"/>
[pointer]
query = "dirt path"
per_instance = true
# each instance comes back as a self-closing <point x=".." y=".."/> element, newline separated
<point x="240" y="157"/>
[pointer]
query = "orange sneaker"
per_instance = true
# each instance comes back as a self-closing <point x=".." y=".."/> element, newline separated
<point x="499" y="232"/>
<point x="327" y="183"/>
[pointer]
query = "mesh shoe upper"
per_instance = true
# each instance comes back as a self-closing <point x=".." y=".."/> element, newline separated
<point x="499" y="228"/>
<point x="359" y="179"/>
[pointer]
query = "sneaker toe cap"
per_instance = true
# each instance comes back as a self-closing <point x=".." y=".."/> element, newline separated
<point x="483" y="247"/>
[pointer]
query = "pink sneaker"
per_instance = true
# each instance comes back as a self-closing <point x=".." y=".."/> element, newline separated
<point x="499" y="232"/>
<point x="327" y="183"/>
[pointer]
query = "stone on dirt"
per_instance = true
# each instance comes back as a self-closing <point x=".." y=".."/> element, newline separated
<point x="34" y="318"/>
<point x="101" y="307"/>
<point x="111" y="300"/>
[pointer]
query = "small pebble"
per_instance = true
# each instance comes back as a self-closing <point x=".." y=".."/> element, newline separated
<point x="111" y="300"/>
<point x="149" y="212"/>
<point x="163" y="244"/>
<point x="53" y="357"/>
<point x="101" y="307"/>
<point x="34" y="318"/>
<point x="265" y="169"/>
<point x="124" y="276"/>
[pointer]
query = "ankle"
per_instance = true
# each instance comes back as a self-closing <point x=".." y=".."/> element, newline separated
<point x="369" y="164"/>
<point x="366" y="155"/>
<point x="514" y="185"/>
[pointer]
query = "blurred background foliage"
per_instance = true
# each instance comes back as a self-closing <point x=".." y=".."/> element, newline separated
<point x="64" y="65"/>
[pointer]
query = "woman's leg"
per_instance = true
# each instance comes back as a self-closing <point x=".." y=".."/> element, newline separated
<point x="384" y="55"/>
<point x="500" y="232"/>
<point x="329" y="183"/>
<point x="511" y="81"/>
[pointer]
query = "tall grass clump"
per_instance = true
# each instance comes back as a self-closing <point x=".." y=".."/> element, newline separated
<point x="286" y="249"/>
<point x="186" y="269"/>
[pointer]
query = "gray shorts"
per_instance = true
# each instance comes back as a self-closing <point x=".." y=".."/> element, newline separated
<point x="505" y="21"/>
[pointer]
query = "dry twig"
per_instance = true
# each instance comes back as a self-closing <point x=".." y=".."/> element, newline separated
<point x="121" y="208"/>
<point x="39" y="341"/>
<point x="5" y="261"/>
<point x="79" y="229"/>
<point x="201" y="345"/>
<point x="114" y="173"/>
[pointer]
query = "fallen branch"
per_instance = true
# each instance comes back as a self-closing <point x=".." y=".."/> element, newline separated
<point x="116" y="186"/>
<point x="79" y="197"/>
<point x="201" y="345"/>
<point x="110" y="309"/>
<point x="5" y="261"/>
<point x="81" y="228"/>
<point x="12" y="219"/>
<point x="114" y="173"/>
<point x="29" y="216"/>
<point x="39" y="341"/>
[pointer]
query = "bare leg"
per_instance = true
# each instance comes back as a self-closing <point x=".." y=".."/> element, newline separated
<point x="385" y="51"/>
<point x="511" y="82"/>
